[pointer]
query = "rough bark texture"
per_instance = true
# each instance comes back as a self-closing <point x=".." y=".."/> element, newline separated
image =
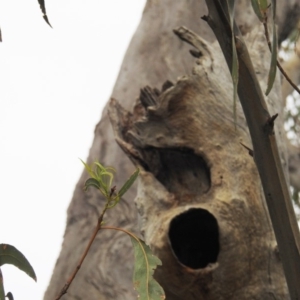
<point x="187" y="134"/>
<point x="199" y="195"/>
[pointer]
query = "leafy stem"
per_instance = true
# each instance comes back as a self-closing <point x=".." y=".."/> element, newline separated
<point x="101" y="179"/>
<point x="289" y="80"/>
<point x="145" y="264"/>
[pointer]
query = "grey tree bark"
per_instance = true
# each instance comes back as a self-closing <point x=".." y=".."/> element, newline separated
<point x="195" y="173"/>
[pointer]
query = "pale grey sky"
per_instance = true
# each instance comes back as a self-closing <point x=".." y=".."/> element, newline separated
<point x="53" y="86"/>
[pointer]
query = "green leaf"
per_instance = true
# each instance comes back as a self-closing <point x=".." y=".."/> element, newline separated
<point x="91" y="182"/>
<point x="10" y="296"/>
<point x="2" y="293"/>
<point x="263" y="5"/>
<point x="105" y="169"/>
<point x="99" y="169"/>
<point x="145" y="264"/>
<point x="11" y="255"/>
<point x="295" y="196"/>
<point x="235" y="78"/>
<point x="43" y="9"/>
<point x="113" y="202"/>
<point x="256" y="8"/>
<point x="273" y="64"/>
<point x="88" y="168"/>
<point x="128" y="183"/>
<point x="103" y="177"/>
<point x="260" y="8"/>
<point x="105" y="180"/>
<point x="230" y="6"/>
<point x="235" y="62"/>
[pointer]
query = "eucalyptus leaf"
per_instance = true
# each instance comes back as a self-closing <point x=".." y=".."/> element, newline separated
<point x="295" y="197"/>
<point x="99" y="169"/>
<point x="256" y="8"/>
<point x="263" y="5"/>
<point x="235" y="62"/>
<point x="43" y="9"/>
<point x="10" y="296"/>
<point x="273" y="64"/>
<point x="145" y="264"/>
<point x="91" y="182"/>
<point x="235" y="78"/>
<point x="128" y="183"/>
<point x="2" y="293"/>
<point x="106" y="180"/>
<point x="11" y="255"/>
<point x="88" y="168"/>
<point x="113" y="202"/>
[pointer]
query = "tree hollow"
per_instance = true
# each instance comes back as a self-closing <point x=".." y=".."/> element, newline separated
<point x="194" y="238"/>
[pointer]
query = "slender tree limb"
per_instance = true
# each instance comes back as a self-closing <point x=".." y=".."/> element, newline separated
<point x="265" y="23"/>
<point x="291" y="67"/>
<point x="70" y="280"/>
<point x="266" y="154"/>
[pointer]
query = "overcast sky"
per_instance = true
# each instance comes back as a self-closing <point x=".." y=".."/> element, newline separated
<point x="53" y="86"/>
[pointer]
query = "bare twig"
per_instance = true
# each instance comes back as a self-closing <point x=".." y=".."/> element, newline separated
<point x="265" y="23"/>
<point x="119" y="229"/>
<point x="250" y="151"/>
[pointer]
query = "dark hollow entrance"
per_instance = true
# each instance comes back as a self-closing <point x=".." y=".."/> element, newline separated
<point x="194" y="237"/>
<point x="180" y="170"/>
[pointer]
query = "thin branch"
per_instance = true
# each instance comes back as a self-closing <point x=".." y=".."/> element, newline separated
<point x="250" y="151"/>
<point x="119" y="229"/>
<point x="265" y="23"/>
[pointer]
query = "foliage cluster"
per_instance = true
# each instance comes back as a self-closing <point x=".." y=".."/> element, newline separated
<point x="146" y="286"/>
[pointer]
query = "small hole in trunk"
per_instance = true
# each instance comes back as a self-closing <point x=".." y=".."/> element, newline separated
<point x="194" y="237"/>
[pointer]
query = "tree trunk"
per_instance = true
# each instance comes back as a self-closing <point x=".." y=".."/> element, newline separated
<point x="197" y="187"/>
